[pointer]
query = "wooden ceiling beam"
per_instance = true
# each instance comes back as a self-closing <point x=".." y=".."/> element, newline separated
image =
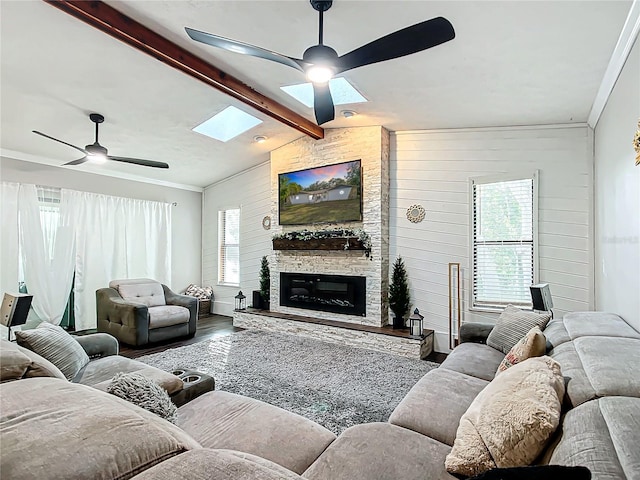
<point x="112" y="22"/>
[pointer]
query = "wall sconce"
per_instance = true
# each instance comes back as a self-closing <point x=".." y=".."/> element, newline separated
<point x="241" y="302"/>
<point x="415" y="325"/>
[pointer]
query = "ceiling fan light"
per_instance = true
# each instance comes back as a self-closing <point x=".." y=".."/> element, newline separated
<point x="97" y="158"/>
<point x="319" y="74"/>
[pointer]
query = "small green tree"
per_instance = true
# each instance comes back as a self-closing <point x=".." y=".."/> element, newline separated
<point x="265" y="279"/>
<point x="399" y="297"/>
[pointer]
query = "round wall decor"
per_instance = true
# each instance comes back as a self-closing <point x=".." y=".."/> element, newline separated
<point x="415" y="213"/>
<point x="266" y="222"/>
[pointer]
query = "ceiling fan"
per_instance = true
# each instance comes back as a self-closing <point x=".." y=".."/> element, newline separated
<point x="97" y="153"/>
<point x="321" y="62"/>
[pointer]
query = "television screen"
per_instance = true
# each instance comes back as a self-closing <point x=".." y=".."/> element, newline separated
<point x="328" y="194"/>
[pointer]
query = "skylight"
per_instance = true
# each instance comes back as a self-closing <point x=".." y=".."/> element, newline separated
<point x="227" y="124"/>
<point x="341" y="91"/>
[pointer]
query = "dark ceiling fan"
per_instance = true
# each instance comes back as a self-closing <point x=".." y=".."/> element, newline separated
<point x="97" y="152"/>
<point x="320" y="62"/>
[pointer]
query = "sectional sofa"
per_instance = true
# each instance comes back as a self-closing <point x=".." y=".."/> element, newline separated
<point x="51" y="428"/>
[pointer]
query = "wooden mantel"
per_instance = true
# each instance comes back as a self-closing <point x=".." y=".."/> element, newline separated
<point x="112" y="22"/>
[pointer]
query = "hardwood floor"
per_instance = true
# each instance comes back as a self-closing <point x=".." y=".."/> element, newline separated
<point x="209" y="327"/>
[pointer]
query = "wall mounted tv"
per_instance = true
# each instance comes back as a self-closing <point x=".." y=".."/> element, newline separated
<point x="329" y="194"/>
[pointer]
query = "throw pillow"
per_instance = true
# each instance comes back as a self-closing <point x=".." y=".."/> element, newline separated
<point x="145" y="393"/>
<point x="536" y="472"/>
<point x="533" y="344"/>
<point x="13" y="363"/>
<point x="511" y="419"/>
<point x="57" y="346"/>
<point x="512" y="325"/>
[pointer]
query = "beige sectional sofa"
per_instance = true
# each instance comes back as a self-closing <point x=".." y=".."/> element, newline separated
<point x="45" y="421"/>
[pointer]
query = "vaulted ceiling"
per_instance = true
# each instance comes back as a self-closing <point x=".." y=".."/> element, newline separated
<point x="511" y="63"/>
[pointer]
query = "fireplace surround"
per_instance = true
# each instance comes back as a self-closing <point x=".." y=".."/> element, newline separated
<point x="344" y="294"/>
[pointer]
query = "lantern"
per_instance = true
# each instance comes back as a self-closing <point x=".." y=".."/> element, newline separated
<point x="415" y="324"/>
<point x="241" y="302"/>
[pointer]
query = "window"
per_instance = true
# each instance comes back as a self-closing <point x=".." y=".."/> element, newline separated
<point x="504" y="244"/>
<point x="229" y="247"/>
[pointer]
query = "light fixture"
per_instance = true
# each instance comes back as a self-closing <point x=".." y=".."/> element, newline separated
<point x="241" y="302"/>
<point x="97" y="158"/>
<point x="259" y="139"/>
<point x="319" y="74"/>
<point x="348" y="113"/>
<point x="415" y="324"/>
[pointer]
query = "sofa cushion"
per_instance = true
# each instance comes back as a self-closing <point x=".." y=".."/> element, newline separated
<point x="512" y="325"/>
<point x="509" y="422"/>
<point x="225" y="420"/>
<point x="381" y="451"/>
<point x="435" y="404"/>
<point x="587" y="324"/>
<point x="533" y="344"/>
<point x="57" y="346"/>
<point x="475" y="359"/>
<point x="167" y="315"/>
<point x="109" y="438"/>
<point x="207" y="464"/>
<point x="599" y="367"/>
<point x="13" y="363"/>
<point x="602" y="435"/>
<point x="150" y="294"/>
<point x="98" y="373"/>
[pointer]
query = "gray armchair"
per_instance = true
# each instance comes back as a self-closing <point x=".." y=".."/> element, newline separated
<point x="141" y="311"/>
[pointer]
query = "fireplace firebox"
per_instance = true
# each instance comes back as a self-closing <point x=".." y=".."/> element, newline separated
<point x="328" y="293"/>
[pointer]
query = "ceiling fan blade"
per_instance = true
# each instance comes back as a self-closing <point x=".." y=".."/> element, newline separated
<point x="137" y="161"/>
<point x="323" y="103"/>
<point x="409" y="40"/>
<point x="244" y="48"/>
<point x="77" y="162"/>
<point x="60" y="141"/>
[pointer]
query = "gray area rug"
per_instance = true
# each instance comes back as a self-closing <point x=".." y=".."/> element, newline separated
<point x="334" y="385"/>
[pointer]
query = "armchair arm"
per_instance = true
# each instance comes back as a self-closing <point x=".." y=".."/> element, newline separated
<point x="128" y="321"/>
<point x="98" y="345"/>
<point x="191" y="303"/>
<point x="475" y="332"/>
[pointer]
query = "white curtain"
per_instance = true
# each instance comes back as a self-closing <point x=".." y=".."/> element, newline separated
<point x="117" y="238"/>
<point x="9" y="238"/>
<point x="47" y="250"/>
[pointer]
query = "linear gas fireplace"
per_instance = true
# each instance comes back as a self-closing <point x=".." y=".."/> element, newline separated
<point x="328" y="293"/>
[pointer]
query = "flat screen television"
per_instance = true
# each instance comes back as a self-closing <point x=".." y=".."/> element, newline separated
<point x="328" y="194"/>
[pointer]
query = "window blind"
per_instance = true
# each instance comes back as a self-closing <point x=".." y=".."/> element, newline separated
<point x="229" y="247"/>
<point x="503" y="243"/>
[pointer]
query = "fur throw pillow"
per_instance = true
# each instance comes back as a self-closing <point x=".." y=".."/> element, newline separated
<point x="145" y="393"/>
<point x="511" y="419"/>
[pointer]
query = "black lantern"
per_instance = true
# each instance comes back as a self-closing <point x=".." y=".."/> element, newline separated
<point x="415" y="324"/>
<point x="241" y="302"/>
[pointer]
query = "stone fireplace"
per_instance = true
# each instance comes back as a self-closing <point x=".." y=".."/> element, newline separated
<point x="370" y="145"/>
<point x="326" y="293"/>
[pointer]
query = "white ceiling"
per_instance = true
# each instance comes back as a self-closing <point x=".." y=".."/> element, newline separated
<point x="511" y="63"/>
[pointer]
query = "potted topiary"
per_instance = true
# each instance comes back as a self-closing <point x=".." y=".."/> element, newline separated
<point x="399" y="297"/>
<point x="265" y="283"/>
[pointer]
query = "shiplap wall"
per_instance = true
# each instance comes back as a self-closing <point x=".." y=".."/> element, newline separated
<point x="249" y="191"/>
<point x="432" y="168"/>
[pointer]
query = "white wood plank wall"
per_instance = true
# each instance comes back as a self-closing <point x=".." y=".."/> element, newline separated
<point x="432" y="168"/>
<point x="249" y="191"/>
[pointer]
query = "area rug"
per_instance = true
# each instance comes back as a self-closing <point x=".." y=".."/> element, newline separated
<point x="334" y="385"/>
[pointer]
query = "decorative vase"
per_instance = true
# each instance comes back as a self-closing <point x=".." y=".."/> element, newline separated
<point x="398" y="322"/>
